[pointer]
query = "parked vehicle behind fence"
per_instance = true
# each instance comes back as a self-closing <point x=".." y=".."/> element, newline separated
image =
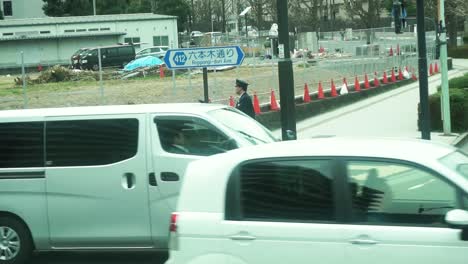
<point x="111" y="56"/>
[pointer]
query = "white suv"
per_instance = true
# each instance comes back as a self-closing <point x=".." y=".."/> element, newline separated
<point x="325" y="201"/>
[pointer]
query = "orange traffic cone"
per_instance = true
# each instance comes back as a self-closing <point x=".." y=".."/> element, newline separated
<point x="393" y="78"/>
<point x="414" y="76"/>
<point x="366" y="82"/>
<point x="161" y="72"/>
<point x="306" y="97"/>
<point x="357" y="85"/>
<point x="273" y="104"/>
<point x="431" y="71"/>
<point x="320" y="91"/>
<point x="231" y="101"/>
<point x="398" y="49"/>
<point x="406" y="68"/>
<point x="385" y="78"/>
<point x="256" y="104"/>
<point x="436" y="68"/>
<point x="400" y="74"/>
<point x="391" y="52"/>
<point x="376" y="80"/>
<point x="333" y="89"/>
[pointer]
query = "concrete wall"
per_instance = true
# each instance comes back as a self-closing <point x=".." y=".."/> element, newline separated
<point x="25" y="9"/>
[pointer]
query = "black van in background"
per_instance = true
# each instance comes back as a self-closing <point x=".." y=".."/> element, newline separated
<point x="111" y="56"/>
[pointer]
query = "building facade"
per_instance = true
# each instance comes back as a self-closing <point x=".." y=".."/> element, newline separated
<point x="18" y="9"/>
<point x="53" y="40"/>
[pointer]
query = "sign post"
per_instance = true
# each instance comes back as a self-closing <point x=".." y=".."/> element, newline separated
<point x="204" y="58"/>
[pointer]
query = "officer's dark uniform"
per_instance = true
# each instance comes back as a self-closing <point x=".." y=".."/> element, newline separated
<point x="245" y="102"/>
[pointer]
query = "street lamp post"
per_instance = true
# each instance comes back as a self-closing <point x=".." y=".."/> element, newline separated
<point x="286" y="75"/>
<point x="244" y="14"/>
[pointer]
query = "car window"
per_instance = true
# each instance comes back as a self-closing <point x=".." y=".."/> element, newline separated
<point x="90" y="142"/>
<point x="21" y="144"/>
<point x="145" y="51"/>
<point x="192" y="136"/>
<point x="399" y="194"/>
<point x="289" y="190"/>
<point x="456" y="161"/>
<point x="155" y="50"/>
<point x="245" y="126"/>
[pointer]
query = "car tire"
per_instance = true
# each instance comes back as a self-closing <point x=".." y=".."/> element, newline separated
<point x="15" y="241"/>
<point x="95" y="67"/>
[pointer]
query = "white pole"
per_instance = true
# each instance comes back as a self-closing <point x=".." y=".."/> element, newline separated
<point x="94" y="7"/>
<point x="444" y="69"/>
<point x="23" y="73"/>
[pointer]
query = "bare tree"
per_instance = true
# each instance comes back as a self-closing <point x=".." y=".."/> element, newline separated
<point x="367" y="12"/>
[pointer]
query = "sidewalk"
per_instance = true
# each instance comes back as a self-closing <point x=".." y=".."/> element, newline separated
<point x="391" y="114"/>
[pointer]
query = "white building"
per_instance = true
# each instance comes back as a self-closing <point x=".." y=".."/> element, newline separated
<point x="53" y="40"/>
<point x="17" y="9"/>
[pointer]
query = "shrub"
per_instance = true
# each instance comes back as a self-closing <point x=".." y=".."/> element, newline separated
<point x="459" y="52"/>
<point x="458" y="110"/>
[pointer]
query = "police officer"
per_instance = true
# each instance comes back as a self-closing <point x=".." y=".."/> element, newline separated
<point x="245" y="102"/>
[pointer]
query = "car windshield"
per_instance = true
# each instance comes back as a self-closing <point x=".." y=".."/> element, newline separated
<point x="457" y="161"/>
<point x="250" y="129"/>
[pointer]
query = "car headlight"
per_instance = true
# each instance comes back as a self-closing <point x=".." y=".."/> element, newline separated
<point x="84" y="61"/>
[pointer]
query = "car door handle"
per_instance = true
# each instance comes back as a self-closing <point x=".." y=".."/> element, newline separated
<point x="129" y="180"/>
<point x="363" y="242"/>
<point x="152" y="179"/>
<point x="169" y="176"/>
<point x="242" y="237"/>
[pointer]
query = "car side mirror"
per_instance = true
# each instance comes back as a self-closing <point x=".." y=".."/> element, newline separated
<point x="459" y="219"/>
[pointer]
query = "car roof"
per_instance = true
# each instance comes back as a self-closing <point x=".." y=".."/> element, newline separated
<point x="182" y="108"/>
<point x="412" y="150"/>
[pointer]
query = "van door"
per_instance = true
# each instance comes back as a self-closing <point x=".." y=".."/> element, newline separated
<point x="176" y="141"/>
<point x="97" y="188"/>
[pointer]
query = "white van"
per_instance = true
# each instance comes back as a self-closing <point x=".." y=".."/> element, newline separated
<point x="104" y="177"/>
<point x="327" y="201"/>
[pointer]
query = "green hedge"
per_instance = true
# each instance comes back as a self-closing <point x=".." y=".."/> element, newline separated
<point x="458" y="109"/>
<point x="458" y="52"/>
<point x="457" y="83"/>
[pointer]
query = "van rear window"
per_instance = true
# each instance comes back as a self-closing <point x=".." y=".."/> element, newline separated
<point x="21" y="145"/>
<point x="90" y="142"/>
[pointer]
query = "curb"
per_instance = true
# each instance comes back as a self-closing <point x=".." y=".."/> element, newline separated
<point x="460" y="139"/>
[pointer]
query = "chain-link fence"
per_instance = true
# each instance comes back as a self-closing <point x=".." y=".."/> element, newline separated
<point x="349" y="58"/>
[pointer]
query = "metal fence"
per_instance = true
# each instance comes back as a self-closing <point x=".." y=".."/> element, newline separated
<point x="349" y="58"/>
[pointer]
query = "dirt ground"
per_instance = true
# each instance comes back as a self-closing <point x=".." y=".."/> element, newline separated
<point x="183" y="88"/>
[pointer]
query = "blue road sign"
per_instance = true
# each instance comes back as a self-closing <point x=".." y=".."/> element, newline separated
<point x="204" y="57"/>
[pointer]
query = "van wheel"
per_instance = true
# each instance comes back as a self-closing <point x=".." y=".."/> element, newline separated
<point x="15" y="241"/>
<point x="95" y="67"/>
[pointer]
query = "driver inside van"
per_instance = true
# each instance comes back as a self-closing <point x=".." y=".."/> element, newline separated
<point x="178" y="143"/>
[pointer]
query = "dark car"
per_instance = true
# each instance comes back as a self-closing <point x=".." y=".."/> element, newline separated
<point x="75" y="58"/>
<point x="111" y="56"/>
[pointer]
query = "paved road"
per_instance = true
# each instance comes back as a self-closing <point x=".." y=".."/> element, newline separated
<point x="99" y="258"/>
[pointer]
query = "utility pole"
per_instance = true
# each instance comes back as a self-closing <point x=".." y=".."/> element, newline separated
<point x="445" y="98"/>
<point x="425" y="121"/>
<point x="286" y="75"/>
